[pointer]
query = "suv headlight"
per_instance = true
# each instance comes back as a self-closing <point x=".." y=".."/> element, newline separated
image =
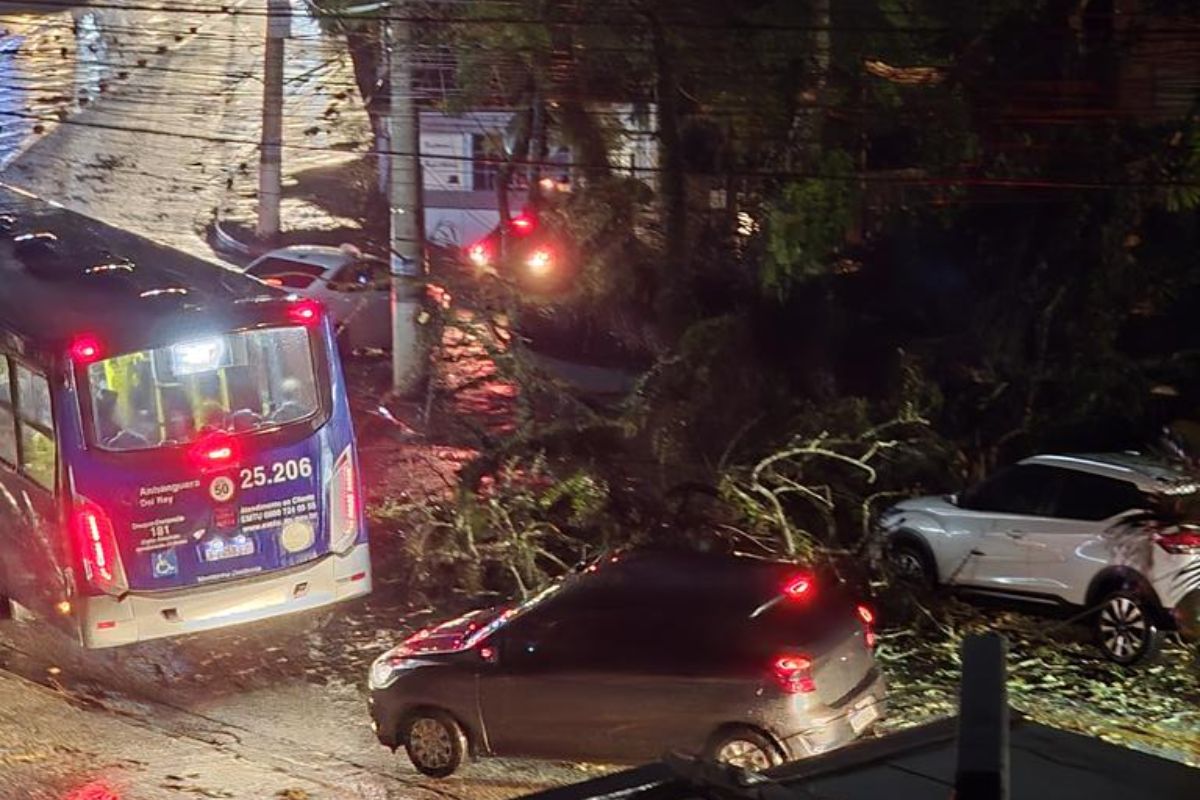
<point x="384" y="670"/>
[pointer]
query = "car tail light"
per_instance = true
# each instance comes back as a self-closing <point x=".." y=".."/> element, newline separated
<point x="480" y="254"/>
<point x="98" y="548"/>
<point x="523" y="224"/>
<point x="793" y="673"/>
<point x="867" y="616"/>
<point x="540" y="263"/>
<point x="305" y="312"/>
<point x="344" y="504"/>
<point x="1180" y="543"/>
<point x="800" y="587"/>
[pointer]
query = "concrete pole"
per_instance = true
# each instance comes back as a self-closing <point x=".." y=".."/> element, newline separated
<point x="270" y="163"/>
<point x="407" y="227"/>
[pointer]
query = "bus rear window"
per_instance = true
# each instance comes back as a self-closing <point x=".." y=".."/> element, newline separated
<point x="238" y="382"/>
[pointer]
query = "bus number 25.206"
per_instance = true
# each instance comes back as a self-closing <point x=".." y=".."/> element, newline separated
<point x="278" y="472"/>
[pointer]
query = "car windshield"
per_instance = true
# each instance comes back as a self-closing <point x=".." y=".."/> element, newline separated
<point x="237" y="382"/>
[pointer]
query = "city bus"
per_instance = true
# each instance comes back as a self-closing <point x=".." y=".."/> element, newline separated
<point x="176" y="448"/>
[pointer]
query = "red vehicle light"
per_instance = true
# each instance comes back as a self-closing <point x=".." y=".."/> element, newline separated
<point x="480" y="254"/>
<point x="98" y="547"/>
<point x="800" y="587"/>
<point x="868" y="620"/>
<point x="305" y="312"/>
<point x="793" y="673"/>
<point x="85" y="349"/>
<point x="1180" y="543"/>
<point x="522" y="224"/>
<point x="215" y="452"/>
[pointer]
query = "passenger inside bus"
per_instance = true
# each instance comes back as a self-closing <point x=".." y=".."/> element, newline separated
<point x="241" y="382"/>
<point x="292" y="405"/>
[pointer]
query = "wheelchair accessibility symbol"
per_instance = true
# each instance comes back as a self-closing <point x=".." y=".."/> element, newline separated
<point x="165" y="563"/>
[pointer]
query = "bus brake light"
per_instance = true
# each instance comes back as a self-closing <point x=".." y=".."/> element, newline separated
<point x="305" y="312"/>
<point x="85" y="349"/>
<point x="98" y="548"/>
<point x="216" y="451"/>
<point x="344" y="504"/>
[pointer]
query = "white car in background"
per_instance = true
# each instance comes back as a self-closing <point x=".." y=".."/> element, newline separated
<point x="355" y="288"/>
<point x="1113" y="534"/>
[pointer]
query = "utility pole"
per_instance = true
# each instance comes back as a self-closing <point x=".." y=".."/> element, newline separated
<point x="407" y="225"/>
<point x="270" y="163"/>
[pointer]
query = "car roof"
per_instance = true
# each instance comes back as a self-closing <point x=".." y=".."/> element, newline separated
<point x="102" y="280"/>
<point x="1148" y="474"/>
<point x="318" y="255"/>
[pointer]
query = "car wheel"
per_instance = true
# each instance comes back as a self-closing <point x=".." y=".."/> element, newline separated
<point x="745" y="748"/>
<point x="1125" y="628"/>
<point x="910" y="564"/>
<point x="435" y="743"/>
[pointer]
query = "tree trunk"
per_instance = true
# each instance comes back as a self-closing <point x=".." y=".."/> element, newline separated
<point x="366" y="55"/>
<point x="671" y="160"/>
<point x="808" y="123"/>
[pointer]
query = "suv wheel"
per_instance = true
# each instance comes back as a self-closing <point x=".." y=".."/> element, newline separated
<point x="435" y="743"/>
<point x="910" y="565"/>
<point x="745" y="748"/>
<point x="1125" y="628"/>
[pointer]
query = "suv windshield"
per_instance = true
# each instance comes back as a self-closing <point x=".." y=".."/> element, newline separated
<point x="237" y="382"/>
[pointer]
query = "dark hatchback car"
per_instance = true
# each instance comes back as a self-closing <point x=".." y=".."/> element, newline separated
<point x="745" y="661"/>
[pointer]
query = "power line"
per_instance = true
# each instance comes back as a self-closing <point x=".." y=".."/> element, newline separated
<point x="725" y="25"/>
<point x="943" y="181"/>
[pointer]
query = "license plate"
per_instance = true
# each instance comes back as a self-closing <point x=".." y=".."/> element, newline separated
<point x="221" y="549"/>
<point x="864" y="716"/>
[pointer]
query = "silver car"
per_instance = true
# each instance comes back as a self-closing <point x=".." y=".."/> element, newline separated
<point x="355" y="288"/>
<point x="745" y="661"/>
<point x="1115" y="534"/>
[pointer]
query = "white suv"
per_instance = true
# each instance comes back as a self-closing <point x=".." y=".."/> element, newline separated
<point x="1107" y="533"/>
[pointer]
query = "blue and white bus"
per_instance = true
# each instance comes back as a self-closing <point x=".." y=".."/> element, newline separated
<point x="176" y="449"/>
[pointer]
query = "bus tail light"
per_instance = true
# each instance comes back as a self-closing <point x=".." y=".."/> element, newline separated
<point x="305" y="312"/>
<point x="98" y="548"/>
<point x="345" y="504"/>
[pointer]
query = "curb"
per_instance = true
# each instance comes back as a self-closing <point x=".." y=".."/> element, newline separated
<point x="224" y="242"/>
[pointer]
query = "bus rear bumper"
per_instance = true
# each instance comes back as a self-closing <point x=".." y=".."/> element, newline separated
<point x="109" y="622"/>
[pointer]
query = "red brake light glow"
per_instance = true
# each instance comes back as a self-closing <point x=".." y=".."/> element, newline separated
<point x="305" y="312"/>
<point x="215" y="451"/>
<point x="98" y="547"/>
<point x="522" y="223"/>
<point x="793" y="673"/>
<point x="85" y="349"/>
<point x="800" y="587"/>
<point x="868" y="620"/>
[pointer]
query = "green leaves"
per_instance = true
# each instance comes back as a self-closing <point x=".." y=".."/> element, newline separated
<point x="807" y="224"/>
